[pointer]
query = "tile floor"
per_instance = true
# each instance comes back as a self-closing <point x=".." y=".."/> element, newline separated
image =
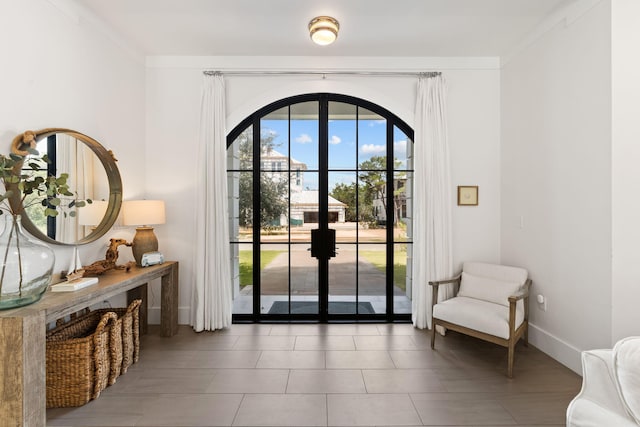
<point x="328" y="375"/>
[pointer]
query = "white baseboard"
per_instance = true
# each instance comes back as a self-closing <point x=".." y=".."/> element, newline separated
<point x="153" y="314"/>
<point x="560" y="350"/>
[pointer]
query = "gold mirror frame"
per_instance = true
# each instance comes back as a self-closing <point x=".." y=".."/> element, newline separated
<point x="113" y="176"/>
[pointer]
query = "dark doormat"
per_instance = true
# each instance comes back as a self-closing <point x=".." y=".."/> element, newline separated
<point x="311" y="307"/>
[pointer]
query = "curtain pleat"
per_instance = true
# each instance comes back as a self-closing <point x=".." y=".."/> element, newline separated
<point x="212" y="299"/>
<point x="432" y="247"/>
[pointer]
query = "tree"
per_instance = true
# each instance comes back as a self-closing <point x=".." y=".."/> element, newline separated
<point x="273" y="202"/>
<point x="374" y="179"/>
<point x="273" y="189"/>
<point x="375" y="183"/>
<point x="346" y="193"/>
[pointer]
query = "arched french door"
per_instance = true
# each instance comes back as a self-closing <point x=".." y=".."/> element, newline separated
<point x="320" y="198"/>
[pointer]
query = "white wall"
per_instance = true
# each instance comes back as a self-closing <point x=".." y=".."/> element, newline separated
<point x="58" y="70"/>
<point x="556" y="179"/>
<point x="173" y="108"/>
<point x="626" y="158"/>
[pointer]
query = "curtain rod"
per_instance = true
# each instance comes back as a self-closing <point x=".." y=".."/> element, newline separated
<point x="324" y="73"/>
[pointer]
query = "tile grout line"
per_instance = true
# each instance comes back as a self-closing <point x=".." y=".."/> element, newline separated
<point x="255" y="366"/>
<point x="235" y="416"/>
<point x="415" y="408"/>
<point x="326" y="407"/>
<point x="286" y="388"/>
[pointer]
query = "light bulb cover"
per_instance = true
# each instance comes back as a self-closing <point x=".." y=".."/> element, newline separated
<point x="323" y="30"/>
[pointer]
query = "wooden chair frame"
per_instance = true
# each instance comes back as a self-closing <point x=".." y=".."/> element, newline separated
<point x="514" y="334"/>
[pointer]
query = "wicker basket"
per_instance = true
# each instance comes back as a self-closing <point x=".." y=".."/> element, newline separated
<point x="125" y="342"/>
<point x="78" y="361"/>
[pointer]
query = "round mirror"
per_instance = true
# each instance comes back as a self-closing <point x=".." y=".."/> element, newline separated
<point x="93" y="175"/>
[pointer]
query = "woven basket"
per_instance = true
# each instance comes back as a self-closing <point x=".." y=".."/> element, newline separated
<point x="125" y="341"/>
<point x="78" y="361"/>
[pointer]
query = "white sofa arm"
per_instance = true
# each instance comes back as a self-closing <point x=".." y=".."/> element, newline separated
<point x="599" y="401"/>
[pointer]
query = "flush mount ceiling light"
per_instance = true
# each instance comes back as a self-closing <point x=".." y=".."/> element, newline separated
<point x="323" y="30"/>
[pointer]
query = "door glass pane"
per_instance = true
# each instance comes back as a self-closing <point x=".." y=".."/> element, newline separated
<point x="402" y="278"/>
<point x="304" y="206"/>
<point x="304" y="135"/>
<point x="402" y="150"/>
<point x="343" y="280"/>
<point x="242" y="277"/>
<point x="304" y="280"/>
<point x="240" y="197"/>
<point x="372" y="267"/>
<point x="342" y="136"/>
<point x="399" y="208"/>
<point x="404" y="206"/>
<point x="274" y="278"/>
<point x="240" y="152"/>
<point x="274" y="206"/>
<point x="372" y="140"/>
<point x="342" y="213"/>
<point x="372" y="205"/>
<point x="274" y="141"/>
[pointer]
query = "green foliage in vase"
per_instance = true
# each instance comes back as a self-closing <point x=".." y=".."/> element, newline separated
<point x="27" y="177"/>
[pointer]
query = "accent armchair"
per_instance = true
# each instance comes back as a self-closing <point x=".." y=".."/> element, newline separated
<point x="492" y="304"/>
<point x="610" y="394"/>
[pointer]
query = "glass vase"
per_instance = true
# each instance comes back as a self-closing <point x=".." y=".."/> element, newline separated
<point x="26" y="266"/>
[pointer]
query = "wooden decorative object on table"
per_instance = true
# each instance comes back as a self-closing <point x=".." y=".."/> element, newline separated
<point x="109" y="263"/>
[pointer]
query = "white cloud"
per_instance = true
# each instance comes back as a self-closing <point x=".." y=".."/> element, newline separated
<point x="400" y="147"/>
<point x="335" y="140"/>
<point x="373" y="123"/>
<point x="304" y="139"/>
<point x="374" y="149"/>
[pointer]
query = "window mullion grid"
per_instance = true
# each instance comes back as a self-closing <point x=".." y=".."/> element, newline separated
<point x="390" y="218"/>
<point x="257" y="153"/>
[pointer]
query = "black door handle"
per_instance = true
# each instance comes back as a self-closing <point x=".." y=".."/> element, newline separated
<point x="323" y="243"/>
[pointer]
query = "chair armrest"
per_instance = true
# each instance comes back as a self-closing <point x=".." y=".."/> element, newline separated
<point x="523" y="293"/>
<point x="599" y="384"/>
<point x="437" y="283"/>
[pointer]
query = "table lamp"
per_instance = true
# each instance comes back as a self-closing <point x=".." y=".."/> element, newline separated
<point x="92" y="214"/>
<point x="143" y="214"/>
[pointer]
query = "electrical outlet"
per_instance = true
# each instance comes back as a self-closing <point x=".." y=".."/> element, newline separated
<point x="542" y="302"/>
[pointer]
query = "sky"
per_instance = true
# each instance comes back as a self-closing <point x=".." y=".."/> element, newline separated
<point x="350" y="143"/>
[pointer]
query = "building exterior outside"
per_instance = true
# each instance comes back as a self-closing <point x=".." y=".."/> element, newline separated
<point x="304" y="204"/>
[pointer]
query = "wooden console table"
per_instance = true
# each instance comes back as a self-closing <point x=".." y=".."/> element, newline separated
<point x="23" y="335"/>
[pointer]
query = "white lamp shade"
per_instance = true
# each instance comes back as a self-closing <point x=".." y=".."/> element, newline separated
<point x="92" y="213"/>
<point x="143" y="212"/>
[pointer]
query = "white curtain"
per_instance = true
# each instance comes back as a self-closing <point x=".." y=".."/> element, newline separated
<point x="76" y="159"/>
<point x="432" y="247"/>
<point x="212" y="296"/>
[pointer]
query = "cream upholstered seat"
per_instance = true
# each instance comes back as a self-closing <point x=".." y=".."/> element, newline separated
<point x="491" y="304"/>
<point x="610" y="394"/>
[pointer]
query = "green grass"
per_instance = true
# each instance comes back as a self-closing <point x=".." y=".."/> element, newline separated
<point x="246" y="264"/>
<point x="379" y="260"/>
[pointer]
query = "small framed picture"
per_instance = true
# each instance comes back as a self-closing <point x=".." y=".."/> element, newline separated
<point x="467" y="195"/>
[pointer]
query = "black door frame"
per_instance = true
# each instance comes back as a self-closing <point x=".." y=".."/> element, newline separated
<point x="323" y="170"/>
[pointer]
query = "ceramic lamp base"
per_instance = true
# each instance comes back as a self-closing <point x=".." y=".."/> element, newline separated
<point x="144" y="241"/>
